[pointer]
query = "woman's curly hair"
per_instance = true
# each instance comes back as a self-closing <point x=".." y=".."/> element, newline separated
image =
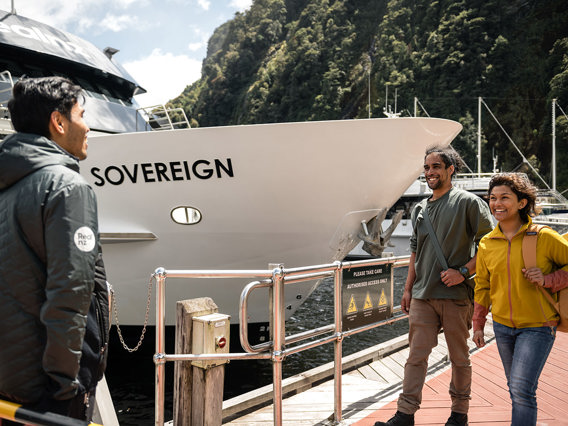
<point x="523" y="189"/>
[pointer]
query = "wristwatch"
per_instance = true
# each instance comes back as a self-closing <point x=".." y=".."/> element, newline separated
<point x="464" y="271"/>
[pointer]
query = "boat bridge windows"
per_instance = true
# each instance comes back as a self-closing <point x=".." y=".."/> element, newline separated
<point x="107" y="94"/>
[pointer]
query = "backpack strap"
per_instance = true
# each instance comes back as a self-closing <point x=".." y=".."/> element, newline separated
<point x="434" y="239"/>
<point x="529" y="245"/>
<point x="529" y="257"/>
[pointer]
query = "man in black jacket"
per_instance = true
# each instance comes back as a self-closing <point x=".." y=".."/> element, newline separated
<point x="54" y="306"/>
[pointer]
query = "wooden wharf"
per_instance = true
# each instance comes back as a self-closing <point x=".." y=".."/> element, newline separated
<point x="372" y="381"/>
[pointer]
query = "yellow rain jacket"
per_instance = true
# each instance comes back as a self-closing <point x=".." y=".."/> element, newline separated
<point x="501" y="285"/>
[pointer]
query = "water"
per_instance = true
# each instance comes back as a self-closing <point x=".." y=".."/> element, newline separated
<point x="131" y="376"/>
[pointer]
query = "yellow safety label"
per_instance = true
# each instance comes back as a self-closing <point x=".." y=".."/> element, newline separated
<point x="352" y="306"/>
<point x="368" y="303"/>
<point x="383" y="298"/>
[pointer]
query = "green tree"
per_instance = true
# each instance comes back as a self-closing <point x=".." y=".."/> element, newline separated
<point x="293" y="60"/>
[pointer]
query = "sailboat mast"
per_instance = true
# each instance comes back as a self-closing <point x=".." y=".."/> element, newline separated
<point x="479" y="136"/>
<point x="554" y="144"/>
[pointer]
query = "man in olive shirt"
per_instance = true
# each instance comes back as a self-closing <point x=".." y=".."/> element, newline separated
<point x="438" y="299"/>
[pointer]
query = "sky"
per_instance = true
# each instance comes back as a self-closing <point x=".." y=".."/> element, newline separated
<point x="161" y="43"/>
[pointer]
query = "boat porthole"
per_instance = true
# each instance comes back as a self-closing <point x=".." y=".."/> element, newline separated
<point x="185" y="215"/>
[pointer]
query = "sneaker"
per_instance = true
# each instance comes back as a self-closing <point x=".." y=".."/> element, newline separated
<point x="399" y="419"/>
<point x="457" y="419"/>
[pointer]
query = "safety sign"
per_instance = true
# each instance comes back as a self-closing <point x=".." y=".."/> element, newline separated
<point x="367" y="295"/>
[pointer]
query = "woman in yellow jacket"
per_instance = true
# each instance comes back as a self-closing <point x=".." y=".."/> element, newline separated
<point x="524" y="321"/>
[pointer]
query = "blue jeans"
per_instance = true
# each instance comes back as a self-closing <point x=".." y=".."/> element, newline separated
<point x="523" y="352"/>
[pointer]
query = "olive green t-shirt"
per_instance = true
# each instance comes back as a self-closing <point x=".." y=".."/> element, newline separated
<point x="459" y="219"/>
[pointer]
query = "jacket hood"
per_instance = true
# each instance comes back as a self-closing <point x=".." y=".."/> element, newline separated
<point x="24" y="153"/>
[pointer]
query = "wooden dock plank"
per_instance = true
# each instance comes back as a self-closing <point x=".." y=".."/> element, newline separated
<point x="394" y="366"/>
<point x="384" y="371"/>
<point x="490" y="403"/>
<point x="371" y="374"/>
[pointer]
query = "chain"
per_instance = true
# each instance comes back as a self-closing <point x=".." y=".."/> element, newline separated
<point x="115" y="309"/>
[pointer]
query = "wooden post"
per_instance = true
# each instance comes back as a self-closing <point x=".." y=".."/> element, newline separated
<point x="183" y="370"/>
<point x="208" y="396"/>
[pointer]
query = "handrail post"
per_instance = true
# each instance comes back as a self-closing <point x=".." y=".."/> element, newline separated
<point x="338" y="344"/>
<point x="277" y="314"/>
<point x="160" y="386"/>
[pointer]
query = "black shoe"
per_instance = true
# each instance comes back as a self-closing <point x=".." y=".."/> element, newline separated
<point x="457" y="419"/>
<point x="399" y="419"/>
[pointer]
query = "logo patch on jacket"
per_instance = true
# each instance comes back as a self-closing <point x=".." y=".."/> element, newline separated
<point x="84" y="238"/>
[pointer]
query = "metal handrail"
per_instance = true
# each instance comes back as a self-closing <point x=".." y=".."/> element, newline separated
<point x="275" y="280"/>
<point x="158" y="117"/>
<point x="6" y="77"/>
<point x="243" y="317"/>
<point x="5" y="95"/>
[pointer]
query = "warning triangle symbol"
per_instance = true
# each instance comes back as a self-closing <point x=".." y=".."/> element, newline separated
<point x="368" y="303"/>
<point x="352" y="306"/>
<point x="383" y="298"/>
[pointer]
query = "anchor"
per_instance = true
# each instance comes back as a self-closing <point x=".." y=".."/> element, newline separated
<point x="375" y="240"/>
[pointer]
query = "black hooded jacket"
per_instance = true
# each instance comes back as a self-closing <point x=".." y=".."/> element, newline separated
<point x="54" y="311"/>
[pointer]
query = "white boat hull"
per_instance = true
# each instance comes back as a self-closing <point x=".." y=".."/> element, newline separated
<point x="296" y="194"/>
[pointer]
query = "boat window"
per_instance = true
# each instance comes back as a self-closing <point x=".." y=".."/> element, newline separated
<point x="185" y="215"/>
<point x="115" y="100"/>
<point x="95" y="95"/>
<point x="95" y="91"/>
<point x="88" y="87"/>
<point x="107" y="90"/>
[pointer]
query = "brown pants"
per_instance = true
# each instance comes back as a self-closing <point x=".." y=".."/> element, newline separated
<point x="426" y="319"/>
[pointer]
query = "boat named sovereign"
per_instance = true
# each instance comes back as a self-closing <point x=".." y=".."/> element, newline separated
<point x="163" y="172"/>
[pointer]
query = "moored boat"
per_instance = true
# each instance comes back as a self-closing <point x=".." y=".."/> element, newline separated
<point x="235" y="197"/>
<point x="293" y="193"/>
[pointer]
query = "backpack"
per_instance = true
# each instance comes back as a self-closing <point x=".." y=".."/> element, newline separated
<point x="529" y="257"/>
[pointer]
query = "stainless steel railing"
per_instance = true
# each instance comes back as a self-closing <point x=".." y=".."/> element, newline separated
<point x="275" y="280"/>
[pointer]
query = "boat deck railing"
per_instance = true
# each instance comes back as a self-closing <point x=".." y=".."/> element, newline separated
<point x="6" y="85"/>
<point x="160" y="117"/>
<point x="552" y="198"/>
<point x="6" y="94"/>
<point x="279" y="346"/>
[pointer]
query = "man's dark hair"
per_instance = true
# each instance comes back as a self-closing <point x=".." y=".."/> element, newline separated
<point x="449" y="156"/>
<point x="34" y="99"/>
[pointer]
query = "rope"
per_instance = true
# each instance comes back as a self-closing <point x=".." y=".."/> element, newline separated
<point x="516" y="147"/>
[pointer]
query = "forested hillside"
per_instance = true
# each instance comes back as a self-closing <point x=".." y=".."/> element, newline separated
<point x="296" y="60"/>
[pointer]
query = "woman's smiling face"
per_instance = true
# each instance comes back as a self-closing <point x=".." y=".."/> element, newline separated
<point x="505" y="204"/>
